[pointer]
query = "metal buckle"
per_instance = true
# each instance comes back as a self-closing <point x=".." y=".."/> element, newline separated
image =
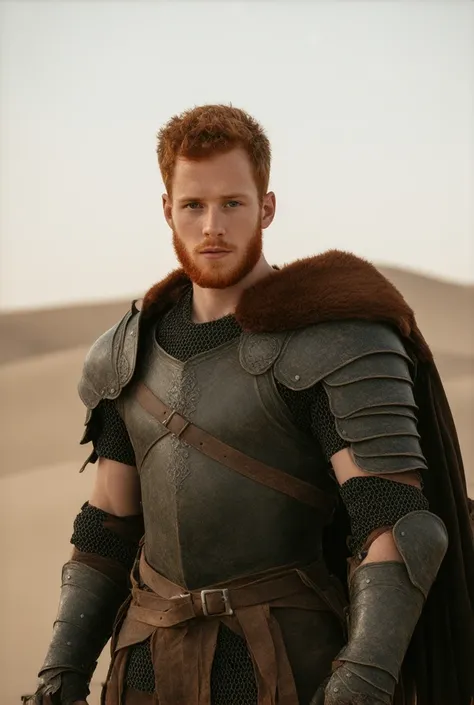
<point x="166" y="421"/>
<point x="225" y="598"/>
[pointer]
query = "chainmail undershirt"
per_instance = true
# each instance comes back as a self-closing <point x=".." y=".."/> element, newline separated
<point x="372" y="502"/>
<point x="91" y="535"/>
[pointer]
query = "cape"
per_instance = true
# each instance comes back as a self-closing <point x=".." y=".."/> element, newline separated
<point x="439" y="665"/>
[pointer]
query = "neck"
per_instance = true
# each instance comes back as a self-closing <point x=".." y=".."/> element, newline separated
<point x="212" y="304"/>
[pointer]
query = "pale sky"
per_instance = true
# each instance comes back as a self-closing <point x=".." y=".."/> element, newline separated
<point x="369" y="107"/>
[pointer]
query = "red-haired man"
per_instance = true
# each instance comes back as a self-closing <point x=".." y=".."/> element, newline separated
<point x="271" y="428"/>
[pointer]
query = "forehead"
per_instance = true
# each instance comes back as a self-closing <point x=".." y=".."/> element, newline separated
<point x="222" y="174"/>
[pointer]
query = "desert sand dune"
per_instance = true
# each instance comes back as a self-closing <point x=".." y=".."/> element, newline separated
<point x="25" y="334"/>
<point x="444" y="311"/>
<point x="42" y="418"/>
<point x="42" y="414"/>
<point x="450" y="365"/>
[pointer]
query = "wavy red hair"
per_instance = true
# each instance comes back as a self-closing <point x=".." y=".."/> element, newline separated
<point x="209" y="130"/>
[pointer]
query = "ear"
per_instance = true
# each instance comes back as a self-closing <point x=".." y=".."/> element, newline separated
<point x="167" y="206"/>
<point x="268" y="209"/>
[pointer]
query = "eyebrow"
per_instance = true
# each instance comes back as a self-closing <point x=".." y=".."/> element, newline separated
<point x="231" y="197"/>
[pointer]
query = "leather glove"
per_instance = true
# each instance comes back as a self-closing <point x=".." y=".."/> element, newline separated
<point x="347" y="686"/>
<point x="66" y="688"/>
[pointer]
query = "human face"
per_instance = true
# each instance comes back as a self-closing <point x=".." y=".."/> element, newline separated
<point x="217" y="218"/>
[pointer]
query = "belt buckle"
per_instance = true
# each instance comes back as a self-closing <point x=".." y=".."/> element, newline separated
<point x="169" y="416"/>
<point x="225" y="598"/>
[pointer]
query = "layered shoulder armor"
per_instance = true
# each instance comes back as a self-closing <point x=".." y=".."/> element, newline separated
<point x="111" y="361"/>
<point x="368" y="377"/>
<point x="339" y="345"/>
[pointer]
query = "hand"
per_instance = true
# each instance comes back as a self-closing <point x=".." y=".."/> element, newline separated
<point x="67" y="688"/>
<point x="345" y="687"/>
<point x="74" y="689"/>
<point x="47" y="700"/>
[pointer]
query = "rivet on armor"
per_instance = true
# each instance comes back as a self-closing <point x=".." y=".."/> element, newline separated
<point x="297" y="377"/>
<point x="82" y="616"/>
<point x="69" y="643"/>
<point x="131" y="332"/>
<point x="368" y="580"/>
<point x="336" y="690"/>
<point x="402" y="533"/>
<point x="112" y="390"/>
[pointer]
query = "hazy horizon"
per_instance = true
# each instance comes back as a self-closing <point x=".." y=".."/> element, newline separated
<point x="369" y="108"/>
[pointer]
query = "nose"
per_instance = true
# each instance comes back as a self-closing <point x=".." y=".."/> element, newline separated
<point x="213" y="224"/>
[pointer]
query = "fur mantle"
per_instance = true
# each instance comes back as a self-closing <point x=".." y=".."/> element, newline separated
<point x="331" y="286"/>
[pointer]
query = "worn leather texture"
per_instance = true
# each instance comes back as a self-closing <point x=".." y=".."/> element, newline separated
<point x="88" y="605"/>
<point x="204" y="522"/>
<point x="386" y="600"/>
<point x="422" y="541"/>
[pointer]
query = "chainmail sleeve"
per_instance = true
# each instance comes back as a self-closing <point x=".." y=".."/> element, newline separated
<point x="323" y="426"/>
<point x="112" y="440"/>
<point x="371" y="502"/>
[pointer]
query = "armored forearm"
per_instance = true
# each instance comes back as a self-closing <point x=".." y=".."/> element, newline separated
<point x="386" y="600"/>
<point x="94" y="585"/>
<point x="87" y="609"/>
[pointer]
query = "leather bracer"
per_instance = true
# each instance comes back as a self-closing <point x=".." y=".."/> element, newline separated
<point x="386" y="600"/>
<point x="88" y="607"/>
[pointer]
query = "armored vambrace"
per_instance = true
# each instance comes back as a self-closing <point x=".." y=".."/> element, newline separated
<point x="386" y="600"/>
<point x="88" y="606"/>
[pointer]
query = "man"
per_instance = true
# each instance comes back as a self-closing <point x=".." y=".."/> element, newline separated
<point x="271" y="427"/>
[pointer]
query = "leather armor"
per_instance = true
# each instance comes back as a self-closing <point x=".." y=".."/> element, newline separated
<point x="203" y="522"/>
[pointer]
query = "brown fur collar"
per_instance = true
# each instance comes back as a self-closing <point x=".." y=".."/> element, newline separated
<point x="333" y="285"/>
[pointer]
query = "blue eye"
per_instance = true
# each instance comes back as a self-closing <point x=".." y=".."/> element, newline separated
<point x="233" y="203"/>
<point x="192" y="205"/>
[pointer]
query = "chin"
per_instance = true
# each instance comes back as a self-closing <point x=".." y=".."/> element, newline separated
<point x="217" y="280"/>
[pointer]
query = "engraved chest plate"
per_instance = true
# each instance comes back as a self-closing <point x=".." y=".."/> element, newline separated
<point x="204" y="522"/>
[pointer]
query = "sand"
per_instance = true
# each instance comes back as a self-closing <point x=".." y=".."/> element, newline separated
<point x="42" y="418"/>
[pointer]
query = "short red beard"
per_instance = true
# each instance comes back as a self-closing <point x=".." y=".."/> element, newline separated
<point x="217" y="276"/>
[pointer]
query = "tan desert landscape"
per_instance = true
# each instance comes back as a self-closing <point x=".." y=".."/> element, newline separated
<point x="42" y="419"/>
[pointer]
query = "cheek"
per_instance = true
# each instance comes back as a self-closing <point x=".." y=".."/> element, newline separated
<point x="187" y="230"/>
<point x="246" y="219"/>
<point x="185" y="220"/>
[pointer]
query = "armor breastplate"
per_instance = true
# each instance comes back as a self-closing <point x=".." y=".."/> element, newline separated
<point x="204" y="523"/>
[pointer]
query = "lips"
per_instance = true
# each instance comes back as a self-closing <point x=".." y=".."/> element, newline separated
<point x="214" y="254"/>
<point x="213" y="251"/>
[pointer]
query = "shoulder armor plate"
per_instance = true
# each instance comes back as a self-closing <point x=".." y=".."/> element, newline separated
<point x="258" y="351"/>
<point x="367" y="375"/>
<point x="313" y="353"/>
<point x="110" y="363"/>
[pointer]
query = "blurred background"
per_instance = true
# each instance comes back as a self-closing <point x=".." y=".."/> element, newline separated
<point x="370" y="110"/>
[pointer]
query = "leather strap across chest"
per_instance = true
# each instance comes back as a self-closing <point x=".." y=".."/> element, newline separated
<point x="234" y="459"/>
